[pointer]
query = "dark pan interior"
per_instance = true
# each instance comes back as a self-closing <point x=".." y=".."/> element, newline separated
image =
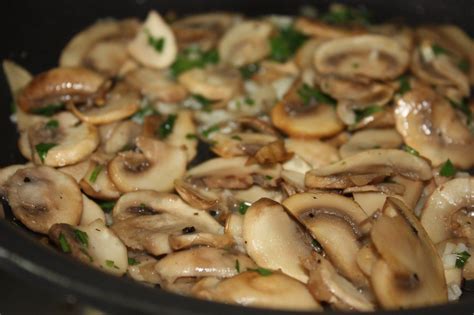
<point x="33" y="34"/>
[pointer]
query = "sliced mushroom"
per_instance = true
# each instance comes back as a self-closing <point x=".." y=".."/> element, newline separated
<point x="198" y="197"/>
<point x="7" y="172"/>
<point x="62" y="141"/>
<point x="90" y="212"/>
<point x="268" y="232"/>
<point x="277" y="291"/>
<point x="183" y="241"/>
<point x="336" y="222"/>
<point x="431" y="126"/>
<point x="239" y="143"/>
<point x="94" y="243"/>
<point x="155" y="167"/>
<point x="96" y="182"/>
<point x="371" y="139"/>
<point x="410" y="272"/>
<point x="17" y="77"/>
<point x="314" y="152"/>
<point x="255" y="192"/>
<point x="73" y="84"/>
<point x="144" y="269"/>
<point x="42" y="196"/>
<point x="154" y="45"/>
<point x="245" y="43"/>
<point x="118" y="136"/>
<point x="77" y="171"/>
<point x="373" y="56"/>
<point x="320" y="29"/>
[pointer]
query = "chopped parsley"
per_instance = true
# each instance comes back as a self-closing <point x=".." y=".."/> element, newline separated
<point x="210" y="130"/>
<point x="132" y="262"/>
<point x="52" y="124"/>
<point x="107" y="206"/>
<point x="461" y="259"/>
<point x="166" y="127"/>
<point x="285" y="44"/>
<point x="268" y="177"/>
<point x="97" y="169"/>
<point x="262" y="271"/>
<point x="405" y="85"/>
<point x="249" y="70"/>
<point x="236" y="137"/>
<point x="463" y="65"/>
<point x="143" y="112"/>
<point x="342" y="15"/>
<point x="243" y="207"/>
<point x="158" y="43"/>
<point x="49" y="110"/>
<point x="237" y="265"/>
<point x="43" y="148"/>
<point x="448" y="169"/>
<point x="191" y="136"/>
<point x="309" y="94"/>
<point x="81" y="237"/>
<point x="366" y="112"/>
<point x="64" y="244"/>
<point x="463" y="106"/>
<point x="249" y="101"/>
<point x="410" y="150"/>
<point x="205" y="103"/>
<point x="193" y="58"/>
<point x="111" y="264"/>
<point x="438" y="50"/>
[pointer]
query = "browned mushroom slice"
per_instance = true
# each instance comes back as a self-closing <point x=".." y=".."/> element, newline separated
<point x="401" y="33"/>
<point x="239" y="143"/>
<point x="336" y="223"/>
<point x="156" y="85"/>
<point x="7" y="172"/>
<point x="143" y="269"/>
<point x="276" y="290"/>
<point x="444" y="209"/>
<point x="196" y="196"/>
<point x="154" y="45"/>
<point x="245" y="43"/>
<point x="96" y="182"/>
<point x="320" y="29"/>
<point x="429" y="124"/>
<point x="268" y="232"/>
<point x="57" y="86"/>
<point x="373" y="56"/>
<point x="271" y="153"/>
<point x="314" y="152"/>
<point x="77" y="171"/>
<point x="155" y="167"/>
<point x="270" y="72"/>
<point x="298" y="117"/>
<point x="116" y="137"/>
<point x="371" y="139"/>
<point x="183" y="241"/>
<point x="42" y="196"/>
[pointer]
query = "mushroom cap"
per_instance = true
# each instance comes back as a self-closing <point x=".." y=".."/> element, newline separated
<point x="42" y="196"/>
<point x="268" y="232"/>
<point x="375" y="56"/>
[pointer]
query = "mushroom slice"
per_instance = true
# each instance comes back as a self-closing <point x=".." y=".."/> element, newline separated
<point x="201" y="262"/>
<point x="311" y="119"/>
<point x="371" y="139"/>
<point x="336" y="223"/>
<point x="62" y="141"/>
<point x="7" y="172"/>
<point x="144" y="269"/>
<point x="275" y="291"/>
<point x="42" y="196"/>
<point x="429" y="124"/>
<point x="213" y="82"/>
<point x="196" y="196"/>
<point x="178" y="242"/>
<point x="122" y="102"/>
<point x="155" y="167"/>
<point x="90" y="212"/>
<point x="271" y="153"/>
<point x="319" y="29"/>
<point x="117" y="136"/>
<point x="156" y="85"/>
<point x="373" y="56"/>
<point x="144" y="220"/>
<point x="154" y="45"/>
<point x="77" y="171"/>
<point x="239" y="143"/>
<point x="94" y="244"/>
<point x="268" y="232"/>
<point x="314" y="152"/>
<point x="96" y="182"/>
<point x="107" y="57"/>
<point x="410" y="272"/>
<point x="59" y="85"/>
<point x="326" y="285"/>
<point x="449" y="198"/>
<point x="17" y="77"/>
<point x="245" y="43"/>
<point x="376" y="161"/>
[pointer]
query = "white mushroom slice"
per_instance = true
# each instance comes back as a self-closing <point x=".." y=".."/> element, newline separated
<point x="178" y="242"/>
<point x="117" y="136"/>
<point x="122" y="102"/>
<point x="77" y="171"/>
<point x="201" y="262"/>
<point x="413" y="190"/>
<point x="90" y="212"/>
<point x="245" y="43"/>
<point x="155" y="45"/>
<point x="108" y="57"/>
<point x="144" y="220"/>
<point x="314" y="152"/>
<point x="42" y="196"/>
<point x="62" y="141"/>
<point x="7" y="172"/>
<point x="371" y="139"/>
<point x="429" y="124"/>
<point x="410" y="272"/>
<point x="239" y="143"/>
<point x="96" y="182"/>
<point x="143" y="270"/>
<point x="17" y="77"/>
<point x="335" y="222"/>
<point x="255" y="192"/>
<point x="271" y="72"/>
<point x="373" y="56"/>
<point x="326" y="285"/>
<point x="275" y="291"/>
<point x="268" y="232"/>
<point x="233" y="228"/>
<point x="386" y="188"/>
<point x="405" y="35"/>
<point x="213" y="83"/>
<point x="366" y="258"/>
<point x="370" y="202"/>
<point x="156" y="85"/>
<point x="156" y="167"/>
<point x="319" y="29"/>
<point x="449" y="198"/>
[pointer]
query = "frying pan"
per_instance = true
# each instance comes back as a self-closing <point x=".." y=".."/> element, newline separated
<point x="33" y="34"/>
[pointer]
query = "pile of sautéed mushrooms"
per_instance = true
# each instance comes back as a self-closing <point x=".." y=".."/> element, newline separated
<point x="337" y="173"/>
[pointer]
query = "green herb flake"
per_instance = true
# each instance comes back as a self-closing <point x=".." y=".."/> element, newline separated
<point x="143" y="112"/>
<point x="111" y="264"/>
<point x="107" y="206"/>
<point x="49" y="110"/>
<point x="52" y="124"/>
<point x="285" y="44"/>
<point x="132" y="262"/>
<point x="64" y="244"/>
<point x="268" y="177"/>
<point x="237" y="265"/>
<point x="206" y="105"/>
<point x="463" y="65"/>
<point x="342" y="15"/>
<point x="405" y="85"/>
<point x="158" y="43"/>
<point x="249" y="101"/>
<point x="249" y="70"/>
<point x="309" y="94"/>
<point x="81" y="237"/>
<point x="262" y="271"/>
<point x="95" y="173"/>
<point x="366" y="112"/>
<point x="166" y="127"/>
<point x="193" y="58"/>
<point x="243" y="207"/>
<point x="210" y="130"/>
<point x="410" y="150"/>
<point x="191" y="136"/>
<point x="43" y="148"/>
<point x="448" y="169"/>
<point x="236" y="137"/>
<point x="438" y="50"/>
<point x="461" y="259"/>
